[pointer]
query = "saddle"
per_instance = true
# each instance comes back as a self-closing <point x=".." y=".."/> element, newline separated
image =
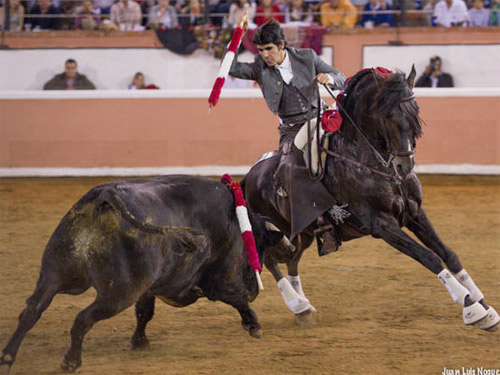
<point x="300" y="199"/>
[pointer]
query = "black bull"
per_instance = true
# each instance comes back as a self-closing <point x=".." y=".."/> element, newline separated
<point x="175" y="237"/>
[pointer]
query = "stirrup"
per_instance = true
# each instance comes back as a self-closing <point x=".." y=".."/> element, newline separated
<point x="325" y="238"/>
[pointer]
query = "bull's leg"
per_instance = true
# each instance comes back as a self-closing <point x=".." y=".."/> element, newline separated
<point x="423" y="229"/>
<point x="47" y="287"/>
<point x="249" y="320"/>
<point x="144" y="311"/>
<point x="102" y="308"/>
<point x="390" y="232"/>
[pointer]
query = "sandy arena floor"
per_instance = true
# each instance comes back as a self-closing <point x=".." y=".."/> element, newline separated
<point x="379" y="312"/>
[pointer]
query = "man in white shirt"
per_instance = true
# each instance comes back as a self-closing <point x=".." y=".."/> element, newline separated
<point x="449" y="13"/>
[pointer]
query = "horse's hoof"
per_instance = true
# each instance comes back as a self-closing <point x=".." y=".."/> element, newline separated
<point x="474" y="313"/>
<point x="305" y="318"/>
<point x="255" y="333"/>
<point x="490" y="323"/>
<point x="70" y="366"/>
<point x="140" y="344"/>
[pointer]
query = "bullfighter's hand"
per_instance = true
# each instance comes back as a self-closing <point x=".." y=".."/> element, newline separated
<point x="243" y="21"/>
<point x="322" y="79"/>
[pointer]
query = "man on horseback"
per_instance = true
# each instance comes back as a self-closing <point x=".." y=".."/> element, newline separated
<point x="287" y="77"/>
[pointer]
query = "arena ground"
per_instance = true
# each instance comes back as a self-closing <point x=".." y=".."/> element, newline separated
<point x="379" y="312"/>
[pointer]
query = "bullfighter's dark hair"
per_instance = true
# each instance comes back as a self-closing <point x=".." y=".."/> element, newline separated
<point x="70" y="61"/>
<point x="270" y="32"/>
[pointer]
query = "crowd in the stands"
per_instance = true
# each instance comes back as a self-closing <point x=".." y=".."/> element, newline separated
<point x="137" y="15"/>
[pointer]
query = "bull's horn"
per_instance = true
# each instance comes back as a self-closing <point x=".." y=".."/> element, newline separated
<point x="271" y="226"/>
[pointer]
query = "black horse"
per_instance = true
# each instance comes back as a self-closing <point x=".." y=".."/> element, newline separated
<point x="369" y="171"/>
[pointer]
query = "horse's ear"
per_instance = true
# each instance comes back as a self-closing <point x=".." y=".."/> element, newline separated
<point x="411" y="77"/>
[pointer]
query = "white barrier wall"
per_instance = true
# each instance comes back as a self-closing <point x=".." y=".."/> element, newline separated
<point x="114" y="68"/>
<point x="470" y="65"/>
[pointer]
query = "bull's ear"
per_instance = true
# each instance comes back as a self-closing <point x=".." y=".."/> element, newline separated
<point x="410" y="80"/>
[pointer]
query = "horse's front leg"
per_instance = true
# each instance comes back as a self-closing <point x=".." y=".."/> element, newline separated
<point x="423" y="229"/>
<point x="389" y="231"/>
<point x="291" y="287"/>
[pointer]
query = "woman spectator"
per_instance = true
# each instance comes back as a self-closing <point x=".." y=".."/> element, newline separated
<point x="16" y="16"/>
<point x="45" y="8"/>
<point x="192" y="14"/>
<point x="298" y="11"/>
<point x="238" y="7"/>
<point x="377" y="18"/>
<point x="126" y="14"/>
<point x="87" y="16"/>
<point x="138" y="83"/>
<point x="162" y="15"/>
<point x="268" y="10"/>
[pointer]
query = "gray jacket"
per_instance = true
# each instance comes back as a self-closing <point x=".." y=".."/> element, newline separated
<point x="305" y="65"/>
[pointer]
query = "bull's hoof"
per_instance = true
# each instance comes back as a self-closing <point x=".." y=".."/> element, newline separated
<point x="70" y="365"/>
<point x="139" y="343"/>
<point x="255" y="333"/>
<point x="305" y="318"/>
<point x="6" y="361"/>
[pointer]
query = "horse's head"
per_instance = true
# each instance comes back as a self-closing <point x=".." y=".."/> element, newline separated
<point x="386" y="112"/>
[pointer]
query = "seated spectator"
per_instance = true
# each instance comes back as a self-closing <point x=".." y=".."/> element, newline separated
<point x="266" y="11"/>
<point x="192" y="14"/>
<point x="44" y="8"/>
<point x="433" y="76"/>
<point x="377" y="19"/>
<point x="126" y="14"/>
<point x="70" y="79"/>
<point x="104" y="5"/>
<point x="479" y="16"/>
<point x="338" y="14"/>
<point x="238" y="7"/>
<point x="138" y="83"/>
<point x="495" y="13"/>
<point x="68" y="9"/>
<point x="162" y="15"/>
<point x="87" y="16"/>
<point x="429" y="12"/>
<point x="450" y="13"/>
<point x="298" y="11"/>
<point x="16" y="15"/>
<point x="219" y="7"/>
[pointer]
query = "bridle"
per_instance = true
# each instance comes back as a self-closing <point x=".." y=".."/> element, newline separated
<point x="386" y="164"/>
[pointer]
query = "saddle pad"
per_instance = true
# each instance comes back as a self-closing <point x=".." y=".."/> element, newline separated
<point x="267" y="155"/>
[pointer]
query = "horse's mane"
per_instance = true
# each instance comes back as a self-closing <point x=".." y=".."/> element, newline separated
<point x="369" y="98"/>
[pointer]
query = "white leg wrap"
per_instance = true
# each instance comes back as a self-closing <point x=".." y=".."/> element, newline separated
<point x="491" y="320"/>
<point x="293" y="300"/>
<point x="297" y="286"/>
<point x="456" y="290"/>
<point x="464" y="279"/>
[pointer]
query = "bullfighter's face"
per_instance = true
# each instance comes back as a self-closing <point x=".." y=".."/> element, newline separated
<point x="271" y="53"/>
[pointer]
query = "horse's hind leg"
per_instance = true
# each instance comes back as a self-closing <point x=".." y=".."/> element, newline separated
<point x="388" y="230"/>
<point x="144" y="311"/>
<point x="48" y="286"/>
<point x="423" y="229"/>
